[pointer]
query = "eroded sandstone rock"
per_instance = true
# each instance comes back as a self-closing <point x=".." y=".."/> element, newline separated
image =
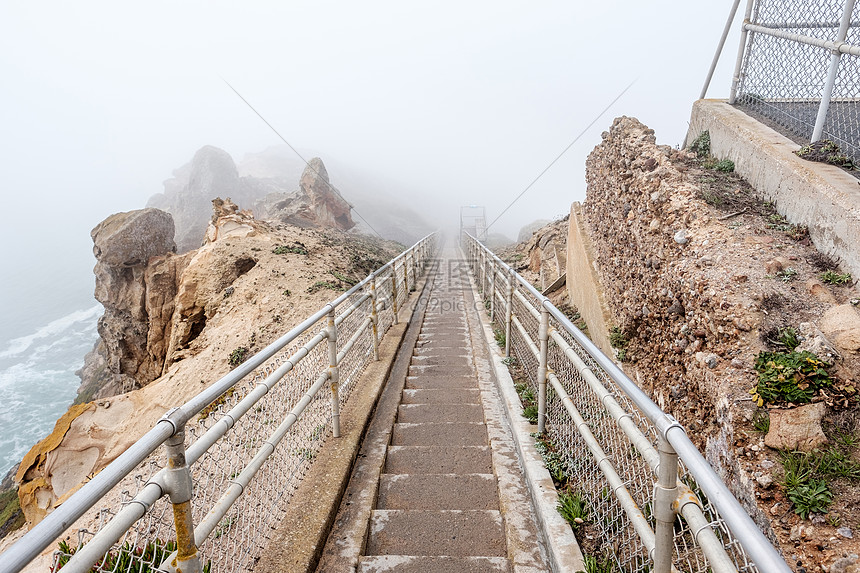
<point x="797" y="428"/>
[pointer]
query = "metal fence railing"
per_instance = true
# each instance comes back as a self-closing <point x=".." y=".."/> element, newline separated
<point x="799" y="67"/>
<point x="659" y="505"/>
<point x="234" y="454"/>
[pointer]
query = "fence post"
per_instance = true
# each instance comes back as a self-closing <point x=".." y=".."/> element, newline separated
<point x="374" y="318"/>
<point x="722" y="43"/>
<point x="665" y="495"/>
<point x="543" y="336"/>
<point x="835" y="58"/>
<point x="394" y="290"/>
<point x="179" y="485"/>
<point x="509" y="312"/>
<point x="406" y="274"/>
<point x="334" y="375"/>
<point x="492" y="288"/>
<point x="736" y="78"/>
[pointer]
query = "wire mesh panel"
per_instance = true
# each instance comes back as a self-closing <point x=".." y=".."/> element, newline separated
<point x="255" y="419"/>
<point x="784" y="80"/>
<point x="612" y="532"/>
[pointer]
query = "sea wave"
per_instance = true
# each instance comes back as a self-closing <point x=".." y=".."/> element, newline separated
<point x="20" y="345"/>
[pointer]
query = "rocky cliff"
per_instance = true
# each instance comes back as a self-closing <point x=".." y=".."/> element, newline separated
<point x="173" y="321"/>
<point x="700" y="276"/>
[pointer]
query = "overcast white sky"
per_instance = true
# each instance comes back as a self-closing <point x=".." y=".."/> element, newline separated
<point x="458" y="102"/>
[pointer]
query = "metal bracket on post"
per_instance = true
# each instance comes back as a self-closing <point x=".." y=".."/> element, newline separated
<point x="543" y="336"/>
<point x="665" y="497"/>
<point x="509" y="312"/>
<point x="374" y="318"/>
<point x="334" y="375"/>
<point x="178" y="486"/>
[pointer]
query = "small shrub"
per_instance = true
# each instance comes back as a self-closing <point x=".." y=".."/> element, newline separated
<point x="617" y="338"/>
<point x="813" y="496"/>
<point x="701" y="146"/>
<point x="573" y="508"/>
<point x="725" y="165"/>
<point x="834" y="278"/>
<point x="238" y="356"/>
<point x="787" y="274"/>
<point x="296" y="249"/>
<point x="343" y="278"/>
<point x="789" y="377"/>
<point x="319" y="285"/>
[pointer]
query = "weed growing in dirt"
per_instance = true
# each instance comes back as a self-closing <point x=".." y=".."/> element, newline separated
<point x="761" y="421"/>
<point x="811" y="497"/>
<point x="573" y="508"/>
<point x="787" y="275"/>
<point x="722" y="165"/>
<point x="834" y="278"/>
<point x="319" y="285"/>
<point x="592" y="565"/>
<point x="807" y="473"/>
<point x="343" y="278"/>
<point x="296" y="249"/>
<point x="238" y="356"/>
<point x="499" y="335"/>
<point x="701" y="146"/>
<point x="530" y="413"/>
<point x="826" y="151"/>
<point x="792" y="377"/>
<point x="128" y="558"/>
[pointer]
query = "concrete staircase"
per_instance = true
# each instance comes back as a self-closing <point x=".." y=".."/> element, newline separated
<point x="437" y="507"/>
<point x="436" y="486"/>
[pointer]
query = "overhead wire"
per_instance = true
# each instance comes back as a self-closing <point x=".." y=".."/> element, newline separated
<point x="553" y="162"/>
<point x="299" y="155"/>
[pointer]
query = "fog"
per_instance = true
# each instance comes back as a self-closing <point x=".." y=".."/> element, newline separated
<point x="451" y="103"/>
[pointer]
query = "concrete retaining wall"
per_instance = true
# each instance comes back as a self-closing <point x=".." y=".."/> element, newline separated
<point x="583" y="285"/>
<point x="821" y="196"/>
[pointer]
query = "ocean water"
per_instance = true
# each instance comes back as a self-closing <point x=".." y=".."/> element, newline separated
<point x="38" y="381"/>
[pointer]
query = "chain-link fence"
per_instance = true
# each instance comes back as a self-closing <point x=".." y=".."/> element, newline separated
<point x="245" y="445"/>
<point x="609" y="441"/>
<point x="799" y="69"/>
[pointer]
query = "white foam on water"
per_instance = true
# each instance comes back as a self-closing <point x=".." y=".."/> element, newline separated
<point x="18" y="346"/>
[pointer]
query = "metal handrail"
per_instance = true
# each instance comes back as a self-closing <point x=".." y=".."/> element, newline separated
<point x="175" y="480"/>
<point x="673" y="442"/>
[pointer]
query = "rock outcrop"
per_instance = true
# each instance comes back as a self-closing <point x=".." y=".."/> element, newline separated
<point x="172" y="323"/>
<point x="188" y="195"/>
<point x="316" y="203"/>
<point x="136" y="278"/>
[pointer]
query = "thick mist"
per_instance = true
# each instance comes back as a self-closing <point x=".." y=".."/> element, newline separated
<point x="440" y="105"/>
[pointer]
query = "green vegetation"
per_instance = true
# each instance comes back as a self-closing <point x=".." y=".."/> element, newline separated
<point x="499" y="335"/>
<point x="343" y="278"/>
<point x="786" y="275"/>
<point x="296" y="249"/>
<point x="826" y="151"/>
<point x="11" y="516"/>
<point x="834" y="278"/>
<point x="146" y="559"/>
<point x="592" y="565"/>
<point x="701" y="146"/>
<point x="319" y="285"/>
<point x="619" y="341"/>
<point x="806" y="475"/>
<point x="792" y="377"/>
<point x="572" y="507"/>
<point x="238" y="356"/>
<point x="722" y="165"/>
<point x="530" y="413"/>
<point x="761" y="421"/>
<point x="208" y="410"/>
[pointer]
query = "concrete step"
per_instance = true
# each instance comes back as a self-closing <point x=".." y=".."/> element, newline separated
<point x="419" y="413"/>
<point x="451" y="357"/>
<point x="441" y="396"/>
<point x="439" y="459"/>
<point x="443" y="434"/>
<point x="438" y="491"/>
<point x="450" y="532"/>
<point x="437" y="381"/>
<point x="454" y="370"/>
<point x="442" y="564"/>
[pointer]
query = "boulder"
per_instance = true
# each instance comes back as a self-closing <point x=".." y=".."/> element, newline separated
<point x="841" y="325"/>
<point x="797" y="428"/>
<point x="132" y="238"/>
